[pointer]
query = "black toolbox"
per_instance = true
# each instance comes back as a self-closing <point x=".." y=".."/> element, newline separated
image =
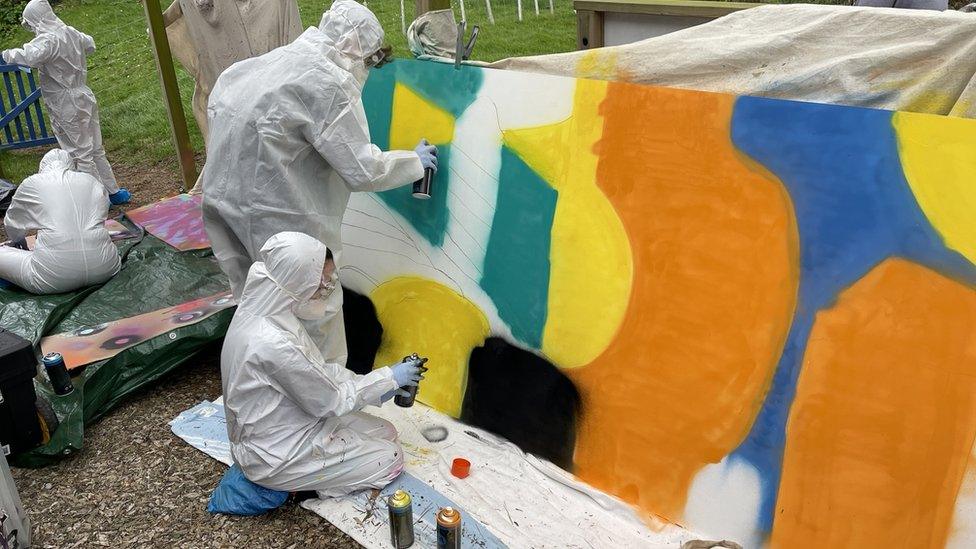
<point x="20" y="429"/>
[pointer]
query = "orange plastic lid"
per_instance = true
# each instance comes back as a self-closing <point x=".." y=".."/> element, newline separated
<point x="461" y="468"/>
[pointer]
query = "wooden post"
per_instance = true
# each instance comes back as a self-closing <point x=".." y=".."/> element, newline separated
<point x="589" y="29"/>
<point x="171" y="92"/>
<point x="423" y="6"/>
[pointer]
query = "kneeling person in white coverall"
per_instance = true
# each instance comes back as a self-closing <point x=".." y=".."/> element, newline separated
<point x="289" y="143"/>
<point x="73" y="247"/>
<point x="61" y="53"/>
<point x="293" y="417"/>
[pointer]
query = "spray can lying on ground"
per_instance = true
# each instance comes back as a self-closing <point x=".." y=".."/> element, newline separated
<point x="407" y="401"/>
<point x="448" y="528"/>
<point x="57" y="372"/>
<point x="401" y="519"/>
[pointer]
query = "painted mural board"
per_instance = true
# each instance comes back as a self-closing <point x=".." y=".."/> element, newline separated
<point x="751" y="316"/>
<point x="177" y="221"/>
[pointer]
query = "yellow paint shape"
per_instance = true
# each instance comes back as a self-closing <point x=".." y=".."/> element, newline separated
<point x="451" y="327"/>
<point x="414" y="118"/>
<point x="591" y="265"/>
<point x="940" y="165"/>
<point x="598" y="64"/>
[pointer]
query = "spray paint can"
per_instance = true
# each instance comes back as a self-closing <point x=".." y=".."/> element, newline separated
<point x="401" y="519"/>
<point x="57" y="372"/>
<point x="422" y="186"/>
<point x="448" y="528"/>
<point x="407" y="401"/>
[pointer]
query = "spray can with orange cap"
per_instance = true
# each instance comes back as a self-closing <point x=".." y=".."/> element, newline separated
<point x="448" y="528"/>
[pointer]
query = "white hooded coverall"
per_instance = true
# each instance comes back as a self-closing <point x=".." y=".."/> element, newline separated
<point x="289" y="142"/>
<point x="73" y="248"/>
<point x="293" y="418"/>
<point x="60" y="52"/>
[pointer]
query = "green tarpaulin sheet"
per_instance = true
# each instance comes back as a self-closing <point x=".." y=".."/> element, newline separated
<point x="153" y="276"/>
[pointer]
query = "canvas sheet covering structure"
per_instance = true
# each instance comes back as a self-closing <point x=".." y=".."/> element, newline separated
<point x="756" y="317"/>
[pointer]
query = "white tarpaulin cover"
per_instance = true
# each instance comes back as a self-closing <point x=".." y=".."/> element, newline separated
<point x="908" y="60"/>
<point x="513" y="499"/>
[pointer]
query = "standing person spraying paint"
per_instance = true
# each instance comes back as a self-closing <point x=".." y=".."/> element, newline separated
<point x="61" y="53"/>
<point x="289" y="143"/>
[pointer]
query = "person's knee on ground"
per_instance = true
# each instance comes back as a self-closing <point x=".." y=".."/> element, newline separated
<point x="385" y="465"/>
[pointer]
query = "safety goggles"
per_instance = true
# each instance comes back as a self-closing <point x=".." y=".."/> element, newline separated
<point x="325" y="289"/>
<point x="382" y="56"/>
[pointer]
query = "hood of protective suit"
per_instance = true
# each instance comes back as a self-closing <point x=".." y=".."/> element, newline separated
<point x="55" y="160"/>
<point x="287" y="275"/>
<point x="39" y="16"/>
<point x="355" y="33"/>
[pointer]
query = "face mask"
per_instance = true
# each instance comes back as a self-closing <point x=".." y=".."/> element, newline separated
<point x="322" y="304"/>
<point x="26" y="25"/>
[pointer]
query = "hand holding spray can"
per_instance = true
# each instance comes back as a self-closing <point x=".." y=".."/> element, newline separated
<point x="407" y="401"/>
<point x="428" y="156"/>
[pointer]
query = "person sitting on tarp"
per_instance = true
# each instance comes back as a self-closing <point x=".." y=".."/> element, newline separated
<point x="61" y="53"/>
<point x="73" y="249"/>
<point x="289" y="143"/>
<point x="294" y="418"/>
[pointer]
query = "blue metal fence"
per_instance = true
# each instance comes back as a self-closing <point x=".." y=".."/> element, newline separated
<point x="21" y="118"/>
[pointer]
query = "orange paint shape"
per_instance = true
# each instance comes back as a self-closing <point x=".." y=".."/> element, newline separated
<point x="715" y="254"/>
<point x="884" y="416"/>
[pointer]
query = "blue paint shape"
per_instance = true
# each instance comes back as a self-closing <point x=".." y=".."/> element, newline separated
<point x="516" y="272"/>
<point x="854" y="209"/>
<point x="426" y="502"/>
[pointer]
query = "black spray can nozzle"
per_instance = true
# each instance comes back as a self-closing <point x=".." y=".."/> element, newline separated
<point x="407" y="401"/>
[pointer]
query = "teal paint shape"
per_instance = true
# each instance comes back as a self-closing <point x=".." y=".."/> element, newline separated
<point x="428" y="217"/>
<point x="516" y="270"/>
<point x="378" y="103"/>
<point x="441" y="85"/>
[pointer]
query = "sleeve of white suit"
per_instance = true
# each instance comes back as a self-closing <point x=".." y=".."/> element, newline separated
<point x="318" y="388"/>
<point x="24" y="212"/>
<point x="34" y="53"/>
<point x="89" y="43"/>
<point x="339" y="132"/>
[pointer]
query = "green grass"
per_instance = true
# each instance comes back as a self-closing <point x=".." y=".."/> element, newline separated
<point x="122" y="71"/>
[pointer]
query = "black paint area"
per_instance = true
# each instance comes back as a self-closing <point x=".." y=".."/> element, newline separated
<point x="524" y="398"/>
<point x="363" y="331"/>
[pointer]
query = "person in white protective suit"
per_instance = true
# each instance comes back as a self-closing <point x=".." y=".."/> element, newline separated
<point x="289" y="143"/>
<point x="60" y="52"/>
<point x="73" y="248"/>
<point x="293" y="417"/>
